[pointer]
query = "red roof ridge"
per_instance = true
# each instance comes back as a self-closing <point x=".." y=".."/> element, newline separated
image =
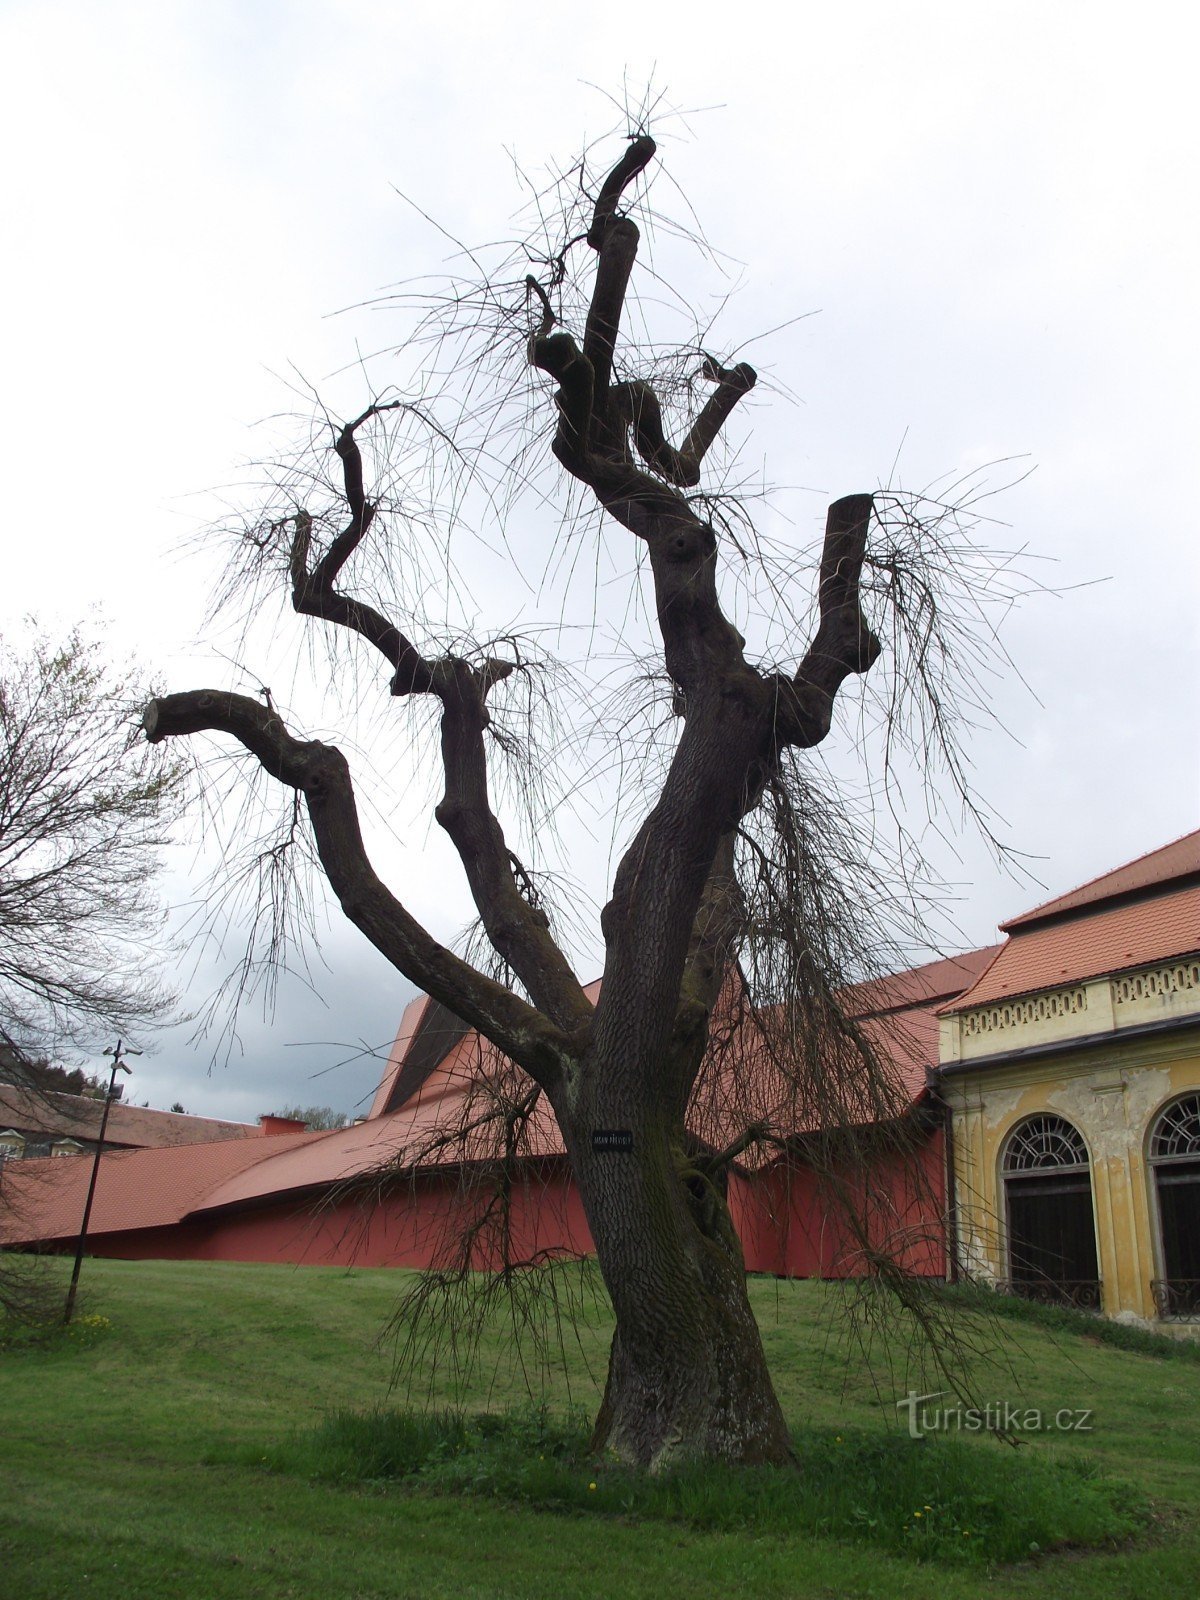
<point x="410" y="1020"/>
<point x="1177" y="859"/>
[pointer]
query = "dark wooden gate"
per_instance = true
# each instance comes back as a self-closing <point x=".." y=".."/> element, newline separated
<point x="1051" y="1220"/>
<point x="1052" y="1239"/>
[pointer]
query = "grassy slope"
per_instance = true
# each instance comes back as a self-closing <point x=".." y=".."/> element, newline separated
<point x="129" y="1467"/>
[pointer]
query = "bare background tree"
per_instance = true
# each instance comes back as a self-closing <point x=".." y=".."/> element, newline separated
<point x="320" y="1118"/>
<point x="539" y="357"/>
<point x="83" y="806"/>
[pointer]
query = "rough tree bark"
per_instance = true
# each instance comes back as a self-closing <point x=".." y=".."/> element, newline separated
<point x="688" y="1375"/>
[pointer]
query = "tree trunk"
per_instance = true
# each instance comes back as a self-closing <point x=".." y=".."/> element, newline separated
<point x="687" y="1375"/>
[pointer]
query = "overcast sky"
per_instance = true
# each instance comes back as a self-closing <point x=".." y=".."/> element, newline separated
<point x="985" y="217"/>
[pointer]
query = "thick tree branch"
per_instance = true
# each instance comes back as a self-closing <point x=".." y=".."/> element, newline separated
<point x="320" y="772"/>
<point x="636" y="158"/>
<point x="559" y="355"/>
<point x="736" y="722"/>
<point x="519" y="931"/>
<point x="718" y="924"/>
<point x="639" y="404"/>
<point x="615" y="240"/>
<point x="617" y="256"/>
<point x="362" y="511"/>
<point x="844" y="643"/>
<point x="650" y="919"/>
<point x="729" y="708"/>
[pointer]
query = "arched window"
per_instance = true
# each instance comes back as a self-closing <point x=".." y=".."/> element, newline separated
<point x="1051" y="1223"/>
<point x="1175" y="1164"/>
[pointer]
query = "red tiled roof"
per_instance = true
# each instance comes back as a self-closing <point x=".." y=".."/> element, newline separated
<point x="898" y="1016"/>
<point x="442" y="1124"/>
<point x="77" y="1117"/>
<point x="900" y="1021"/>
<point x="44" y="1199"/>
<point x="1090" y="945"/>
<point x="1179" y="859"/>
<point x="919" y="986"/>
<point x="429" y="1034"/>
<point x="153" y="1188"/>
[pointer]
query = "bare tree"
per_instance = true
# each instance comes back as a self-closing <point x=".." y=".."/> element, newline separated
<point x="81" y="808"/>
<point x="82" y="805"/>
<point x="731" y="861"/>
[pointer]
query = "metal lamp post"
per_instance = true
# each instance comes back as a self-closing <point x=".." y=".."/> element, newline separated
<point x="117" y="1066"/>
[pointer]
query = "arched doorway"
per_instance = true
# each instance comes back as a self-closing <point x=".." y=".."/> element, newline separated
<point x="1175" y="1163"/>
<point x="1051" y="1224"/>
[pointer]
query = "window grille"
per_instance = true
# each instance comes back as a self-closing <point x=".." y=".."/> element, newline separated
<point x="1175" y="1164"/>
<point x="1176" y="1135"/>
<point x="1044" y="1144"/>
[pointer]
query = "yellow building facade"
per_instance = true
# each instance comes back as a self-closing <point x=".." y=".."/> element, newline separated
<point x="1073" y="1159"/>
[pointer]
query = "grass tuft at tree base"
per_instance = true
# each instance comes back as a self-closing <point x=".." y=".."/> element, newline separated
<point x="934" y="1499"/>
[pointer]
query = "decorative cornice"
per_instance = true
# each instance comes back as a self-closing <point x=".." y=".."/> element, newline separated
<point x="1074" y="1015"/>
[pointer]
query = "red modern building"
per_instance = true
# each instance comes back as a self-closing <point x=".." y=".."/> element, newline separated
<point x="405" y="1185"/>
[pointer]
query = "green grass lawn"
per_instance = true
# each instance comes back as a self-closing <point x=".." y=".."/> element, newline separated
<point x="166" y="1456"/>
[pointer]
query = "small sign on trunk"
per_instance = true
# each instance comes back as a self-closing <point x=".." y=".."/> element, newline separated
<point x="605" y="1141"/>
